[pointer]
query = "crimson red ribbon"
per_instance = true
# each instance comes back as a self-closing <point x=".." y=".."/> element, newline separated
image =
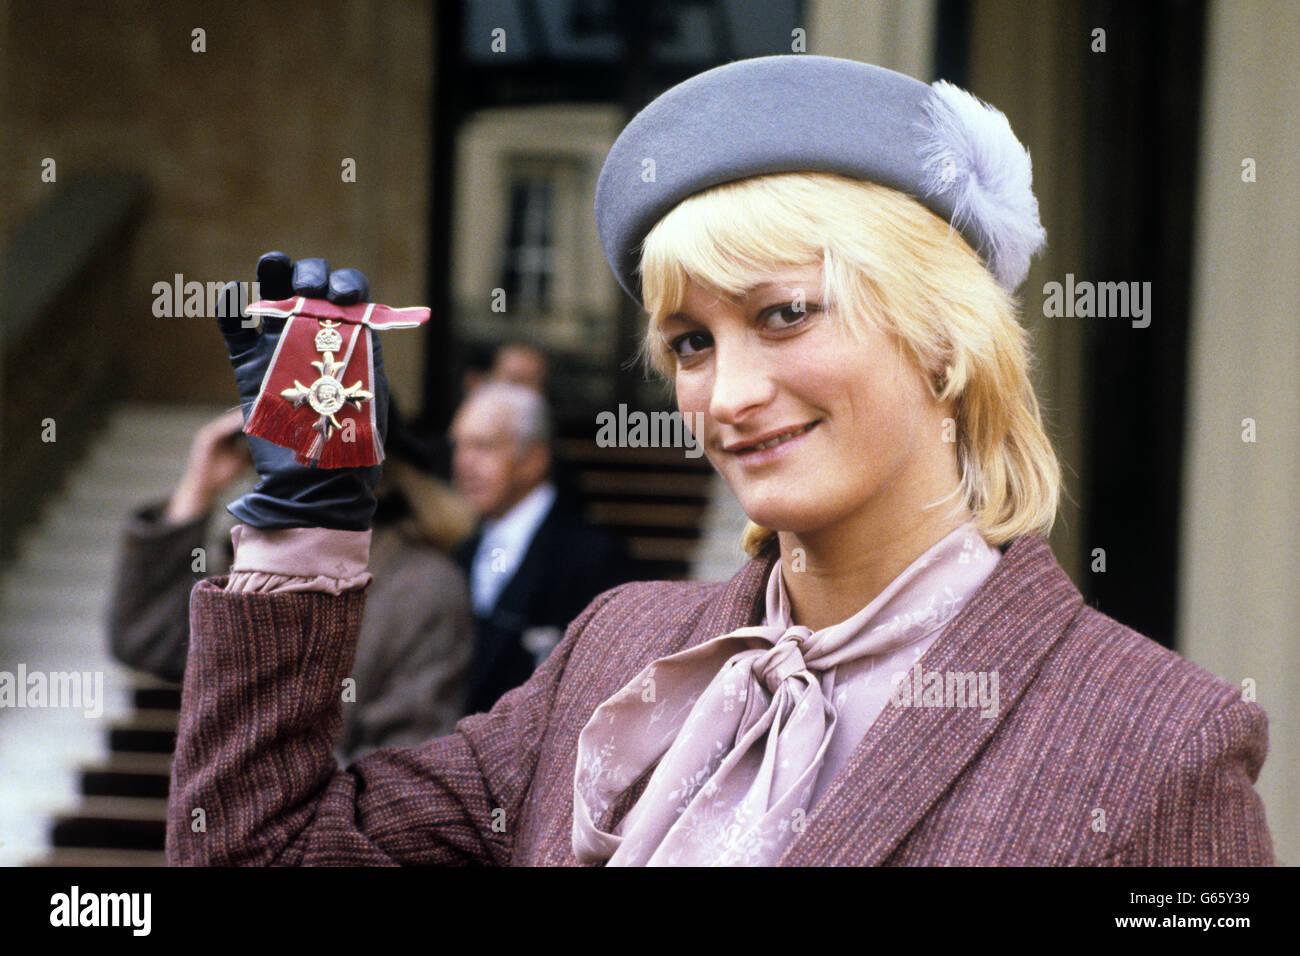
<point x="340" y="432"/>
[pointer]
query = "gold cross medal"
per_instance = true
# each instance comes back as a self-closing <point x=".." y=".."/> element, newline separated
<point x="328" y="423"/>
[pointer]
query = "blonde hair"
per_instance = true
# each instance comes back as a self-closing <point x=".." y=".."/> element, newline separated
<point x="886" y="260"/>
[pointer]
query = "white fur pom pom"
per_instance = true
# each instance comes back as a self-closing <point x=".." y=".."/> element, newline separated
<point x="970" y="151"/>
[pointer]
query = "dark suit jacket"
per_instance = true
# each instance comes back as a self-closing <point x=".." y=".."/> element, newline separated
<point x="566" y="565"/>
<point x="1092" y="717"/>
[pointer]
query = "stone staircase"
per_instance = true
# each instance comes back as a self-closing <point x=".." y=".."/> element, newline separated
<point x="75" y="788"/>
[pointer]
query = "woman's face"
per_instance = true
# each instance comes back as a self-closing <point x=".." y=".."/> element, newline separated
<point x="809" y="425"/>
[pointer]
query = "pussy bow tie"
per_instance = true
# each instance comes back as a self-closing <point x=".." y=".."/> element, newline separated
<point x="736" y="730"/>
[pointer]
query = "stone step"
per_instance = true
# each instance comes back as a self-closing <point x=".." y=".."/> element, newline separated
<point x="57" y="648"/>
<point x="159" y="695"/>
<point x="120" y="823"/>
<point x="29" y="594"/>
<point x="145" y="731"/>
<point x="65" y="529"/>
<point x="640" y="485"/>
<point x="39" y="557"/>
<point x="127" y="775"/>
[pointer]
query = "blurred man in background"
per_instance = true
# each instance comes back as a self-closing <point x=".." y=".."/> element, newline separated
<point x="535" y="563"/>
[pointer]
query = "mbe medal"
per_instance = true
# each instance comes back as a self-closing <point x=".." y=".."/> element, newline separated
<point x="326" y="423"/>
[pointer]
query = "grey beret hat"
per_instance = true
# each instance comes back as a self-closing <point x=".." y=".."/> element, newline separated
<point x="939" y="144"/>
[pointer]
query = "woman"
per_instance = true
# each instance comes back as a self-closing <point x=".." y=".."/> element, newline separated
<point x="901" y="674"/>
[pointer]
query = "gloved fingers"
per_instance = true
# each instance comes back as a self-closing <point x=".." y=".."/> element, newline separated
<point x="275" y="276"/>
<point x="348" y="287"/>
<point x="274" y="283"/>
<point x="311" y="277"/>
<point x="237" y="328"/>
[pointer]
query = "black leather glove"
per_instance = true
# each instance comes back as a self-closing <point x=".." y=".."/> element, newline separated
<point x="290" y="495"/>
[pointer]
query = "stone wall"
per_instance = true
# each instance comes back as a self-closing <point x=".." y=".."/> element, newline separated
<point x="242" y="145"/>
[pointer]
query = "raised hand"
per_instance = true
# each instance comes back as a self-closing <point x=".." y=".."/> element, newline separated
<point x="218" y="454"/>
<point x="290" y="495"/>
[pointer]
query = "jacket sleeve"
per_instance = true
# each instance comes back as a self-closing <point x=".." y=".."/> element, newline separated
<point x="413" y="656"/>
<point x="254" y="779"/>
<point x="1206" y="810"/>
<point x="148" y="613"/>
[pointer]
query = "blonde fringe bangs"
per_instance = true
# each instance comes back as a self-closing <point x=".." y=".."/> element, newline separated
<point x="887" y="261"/>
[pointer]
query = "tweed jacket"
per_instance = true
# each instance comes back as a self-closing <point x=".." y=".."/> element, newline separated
<point x="1106" y="748"/>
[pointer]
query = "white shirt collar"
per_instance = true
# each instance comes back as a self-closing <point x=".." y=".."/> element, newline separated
<point x="515" y="529"/>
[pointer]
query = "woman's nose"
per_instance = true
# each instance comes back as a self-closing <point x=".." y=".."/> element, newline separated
<point x="741" y="384"/>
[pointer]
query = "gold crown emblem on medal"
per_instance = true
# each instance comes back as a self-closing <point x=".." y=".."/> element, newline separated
<point x="328" y="339"/>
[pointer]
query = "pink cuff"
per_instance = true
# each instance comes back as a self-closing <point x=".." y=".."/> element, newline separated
<point x="298" y="559"/>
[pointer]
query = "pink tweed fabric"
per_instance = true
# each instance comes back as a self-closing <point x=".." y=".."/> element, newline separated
<point x="1106" y="748"/>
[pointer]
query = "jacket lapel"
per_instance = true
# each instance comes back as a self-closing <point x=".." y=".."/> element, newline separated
<point x="911" y="755"/>
<point x="742" y="602"/>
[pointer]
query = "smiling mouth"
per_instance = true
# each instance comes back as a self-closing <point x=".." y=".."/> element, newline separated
<point x="743" y="448"/>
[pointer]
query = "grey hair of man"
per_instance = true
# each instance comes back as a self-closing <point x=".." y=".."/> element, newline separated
<point x="524" y="410"/>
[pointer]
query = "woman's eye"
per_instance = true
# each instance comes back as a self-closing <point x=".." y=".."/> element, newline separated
<point x="688" y="344"/>
<point x="784" y="316"/>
